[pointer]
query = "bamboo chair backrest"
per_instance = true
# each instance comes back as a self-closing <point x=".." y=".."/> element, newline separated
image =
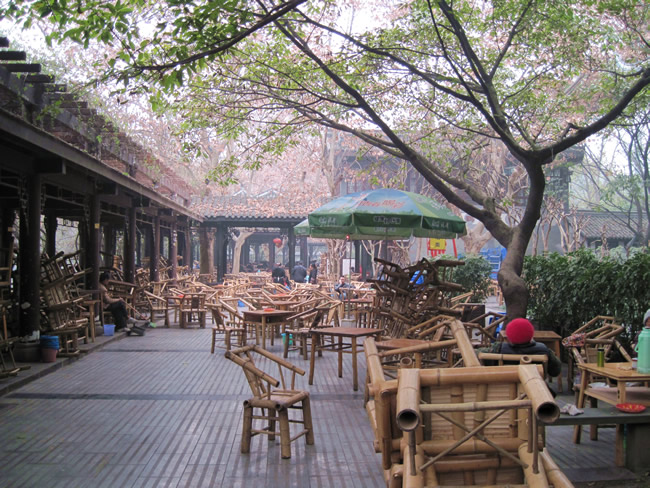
<point x="450" y="410"/>
<point x="601" y="331"/>
<point x="487" y="358"/>
<point x="193" y="302"/>
<point x="259" y="381"/>
<point x="235" y="316"/>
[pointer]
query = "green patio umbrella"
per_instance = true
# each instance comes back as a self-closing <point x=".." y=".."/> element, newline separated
<point x="382" y="214"/>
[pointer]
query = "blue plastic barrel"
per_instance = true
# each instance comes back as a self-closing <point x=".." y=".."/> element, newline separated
<point x="50" y="342"/>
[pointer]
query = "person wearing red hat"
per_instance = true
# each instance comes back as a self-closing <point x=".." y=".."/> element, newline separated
<point x="519" y="340"/>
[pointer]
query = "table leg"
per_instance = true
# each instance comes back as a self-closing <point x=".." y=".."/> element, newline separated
<point x="620" y="449"/>
<point x="263" y="332"/>
<point x="593" y="428"/>
<point x="355" y="381"/>
<point x="340" y="352"/>
<point x="314" y="339"/>
<point x="558" y="353"/>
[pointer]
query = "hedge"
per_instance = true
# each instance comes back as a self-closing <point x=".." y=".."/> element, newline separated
<point x="567" y="291"/>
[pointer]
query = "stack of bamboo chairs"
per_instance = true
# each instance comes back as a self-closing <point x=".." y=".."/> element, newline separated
<point x="63" y="307"/>
<point x="8" y="365"/>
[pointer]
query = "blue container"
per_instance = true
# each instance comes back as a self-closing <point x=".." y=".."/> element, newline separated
<point x="50" y="342"/>
<point x="109" y="329"/>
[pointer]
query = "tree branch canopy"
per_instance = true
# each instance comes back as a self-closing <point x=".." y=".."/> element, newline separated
<point x="430" y="82"/>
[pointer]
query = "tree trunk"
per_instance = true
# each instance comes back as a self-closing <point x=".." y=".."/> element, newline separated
<point x="239" y="243"/>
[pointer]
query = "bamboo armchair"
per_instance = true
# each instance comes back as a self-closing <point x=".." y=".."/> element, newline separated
<point x="192" y="305"/>
<point x="233" y="317"/>
<point x="158" y="304"/>
<point x="227" y="331"/>
<point x="474" y="427"/>
<point x="272" y="405"/>
<point x="601" y="331"/>
<point x="298" y="333"/>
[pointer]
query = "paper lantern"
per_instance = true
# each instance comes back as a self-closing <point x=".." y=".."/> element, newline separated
<point x="278" y="242"/>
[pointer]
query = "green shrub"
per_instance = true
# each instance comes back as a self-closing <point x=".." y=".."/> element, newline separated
<point x="567" y="291"/>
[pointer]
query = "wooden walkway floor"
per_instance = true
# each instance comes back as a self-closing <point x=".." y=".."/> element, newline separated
<point x="161" y="411"/>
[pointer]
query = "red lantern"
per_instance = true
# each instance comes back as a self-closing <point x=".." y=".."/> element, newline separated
<point x="278" y="242"/>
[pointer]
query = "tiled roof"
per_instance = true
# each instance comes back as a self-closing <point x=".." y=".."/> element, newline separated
<point x="609" y="224"/>
<point x="293" y="205"/>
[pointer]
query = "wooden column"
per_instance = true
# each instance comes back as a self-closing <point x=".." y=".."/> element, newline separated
<point x="50" y="233"/>
<point x="130" y="236"/>
<point x="220" y="251"/>
<point x="154" y="258"/>
<point x="304" y="251"/>
<point x="92" y="252"/>
<point x="188" y="255"/>
<point x="109" y="241"/>
<point x="30" y="257"/>
<point x="173" y="250"/>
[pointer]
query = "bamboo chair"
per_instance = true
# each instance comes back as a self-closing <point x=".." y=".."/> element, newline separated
<point x="474" y="427"/>
<point x="224" y="330"/>
<point x="158" y="304"/>
<point x="298" y="334"/>
<point x="272" y="405"/>
<point x="601" y="331"/>
<point x="381" y="407"/>
<point x="8" y="366"/>
<point x="191" y="305"/>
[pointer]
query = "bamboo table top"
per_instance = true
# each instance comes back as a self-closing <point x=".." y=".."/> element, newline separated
<point x="341" y="332"/>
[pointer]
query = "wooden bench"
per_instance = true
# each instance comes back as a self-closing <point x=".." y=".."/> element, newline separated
<point x="632" y="431"/>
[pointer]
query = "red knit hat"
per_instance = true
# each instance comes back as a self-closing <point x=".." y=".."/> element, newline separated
<point x="520" y="331"/>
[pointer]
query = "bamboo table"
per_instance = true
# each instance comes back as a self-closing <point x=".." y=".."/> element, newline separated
<point x="353" y="333"/>
<point x="265" y="319"/>
<point x="551" y="340"/>
<point x="622" y="373"/>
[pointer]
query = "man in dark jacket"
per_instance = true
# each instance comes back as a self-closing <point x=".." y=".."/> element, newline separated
<point x="519" y="335"/>
<point x="299" y="273"/>
<point x="279" y="275"/>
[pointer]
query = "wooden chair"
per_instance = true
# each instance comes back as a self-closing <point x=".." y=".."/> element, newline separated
<point x="221" y="329"/>
<point x="8" y="366"/>
<point x="298" y="334"/>
<point x="272" y="405"/>
<point x="157" y="305"/>
<point x="191" y="305"/>
<point x="601" y="331"/>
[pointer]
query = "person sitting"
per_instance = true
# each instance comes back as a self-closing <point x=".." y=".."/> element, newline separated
<point x="340" y="288"/>
<point x="519" y="340"/>
<point x="279" y="275"/>
<point x="116" y="306"/>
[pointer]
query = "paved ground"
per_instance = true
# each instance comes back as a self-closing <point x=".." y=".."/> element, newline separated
<point x="161" y="411"/>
